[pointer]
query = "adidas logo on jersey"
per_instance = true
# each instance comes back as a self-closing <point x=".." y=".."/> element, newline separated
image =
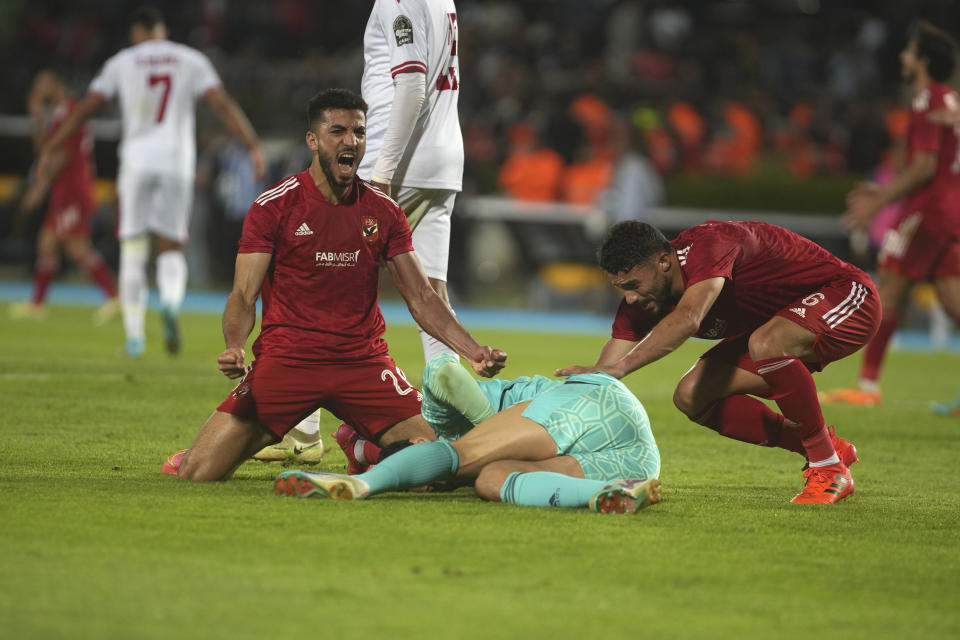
<point x="303" y="230"/>
<point x="800" y="311"/>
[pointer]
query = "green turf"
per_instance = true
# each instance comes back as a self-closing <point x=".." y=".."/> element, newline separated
<point x="96" y="543"/>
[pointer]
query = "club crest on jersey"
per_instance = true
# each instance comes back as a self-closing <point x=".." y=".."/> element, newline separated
<point x="403" y="30"/>
<point x="370" y="227"/>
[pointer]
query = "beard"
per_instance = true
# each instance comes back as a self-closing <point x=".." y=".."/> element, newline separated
<point x="661" y="293"/>
<point x="327" y="163"/>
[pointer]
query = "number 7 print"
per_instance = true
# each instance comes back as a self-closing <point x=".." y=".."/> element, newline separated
<point x="165" y="80"/>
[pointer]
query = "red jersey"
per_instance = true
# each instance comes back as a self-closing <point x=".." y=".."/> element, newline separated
<point x="74" y="185"/>
<point x="766" y="268"/>
<point x="320" y="292"/>
<point x="941" y="196"/>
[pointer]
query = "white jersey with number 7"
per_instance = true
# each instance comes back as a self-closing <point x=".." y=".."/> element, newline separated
<point x="415" y="36"/>
<point x="157" y="84"/>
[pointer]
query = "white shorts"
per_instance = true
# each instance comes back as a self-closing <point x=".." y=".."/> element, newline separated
<point x="157" y="203"/>
<point x="428" y="212"/>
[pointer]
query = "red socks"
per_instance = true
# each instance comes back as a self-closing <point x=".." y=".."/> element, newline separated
<point x="42" y="277"/>
<point x="877" y="347"/>
<point x="747" y="419"/>
<point x="100" y="273"/>
<point x="794" y="391"/>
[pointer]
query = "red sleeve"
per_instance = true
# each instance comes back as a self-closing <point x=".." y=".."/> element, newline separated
<point x="712" y="254"/>
<point x="631" y="323"/>
<point x="259" y="230"/>
<point x="925" y="135"/>
<point x="400" y="240"/>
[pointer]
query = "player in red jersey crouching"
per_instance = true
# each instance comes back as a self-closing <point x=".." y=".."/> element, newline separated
<point x="311" y="249"/>
<point x="783" y="306"/>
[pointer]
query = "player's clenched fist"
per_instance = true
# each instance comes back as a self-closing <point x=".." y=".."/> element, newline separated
<point x="488" y="362"/>
<point x="230" y="362"/>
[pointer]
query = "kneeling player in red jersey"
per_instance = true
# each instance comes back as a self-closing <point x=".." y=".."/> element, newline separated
<point x="71" y="206"/>
<point x="924" y="243"/>
<point x="311" y="250"/>
<point x="783" y="306"/>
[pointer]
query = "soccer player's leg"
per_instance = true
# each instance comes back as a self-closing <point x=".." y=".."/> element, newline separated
<point x="837" y="321"/>
<point x="169" y="220"/>
<point x="133" y="202"/>
<point x="507" y="435"/>
<point x="300" y="445"/>
<point x="894" y="289"/>
<point x="554" y="482"/>
<point x="716" y="393"/>
<point x="453" y="401"/>
<point x="224" y="442"/>
<point x="428" y="213"/>
<point x="172" y="283"/>
<point x="77" y="245"/>
<point x="45" y="269"/>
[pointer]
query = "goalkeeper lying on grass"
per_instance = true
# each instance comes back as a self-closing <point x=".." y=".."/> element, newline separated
<point x="583" y="441"/>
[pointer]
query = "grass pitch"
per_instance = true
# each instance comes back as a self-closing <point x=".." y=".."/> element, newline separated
<point x="96" y="543"/>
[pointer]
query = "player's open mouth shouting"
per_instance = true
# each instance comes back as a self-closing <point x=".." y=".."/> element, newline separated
<point x="347" y="163"/>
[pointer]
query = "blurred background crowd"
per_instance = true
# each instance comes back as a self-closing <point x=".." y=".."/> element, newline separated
<point x="619" y="105"/>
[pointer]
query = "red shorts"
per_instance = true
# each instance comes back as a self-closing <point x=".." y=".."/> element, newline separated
<point x="371" y="396"/>
<point x="844" y="315"/>
<point x="68" y="216"/>
<point x="918" y="250"/>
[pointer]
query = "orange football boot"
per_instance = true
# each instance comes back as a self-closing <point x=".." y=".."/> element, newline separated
<point x="845" y="450"/>
<point x="855" y="397"/>
<point x="825" y="485"/>
<point x="172" y="465"/>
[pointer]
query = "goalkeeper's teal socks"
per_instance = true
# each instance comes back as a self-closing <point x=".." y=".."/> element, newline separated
<point x="414" y="466"/>
<point x="547" y="489"/>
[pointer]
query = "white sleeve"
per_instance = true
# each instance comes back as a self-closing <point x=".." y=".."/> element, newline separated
<point x="205" y="76"/>
<point x="107" y="81"/>
<point x="405" y="28"/>
<point x="409" y="90"/>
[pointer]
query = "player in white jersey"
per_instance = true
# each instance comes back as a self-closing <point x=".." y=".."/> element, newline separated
<point x="411" y="80"/>
<point x="157" y="84"/>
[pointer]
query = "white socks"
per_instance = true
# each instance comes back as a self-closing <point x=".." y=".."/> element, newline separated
<point x="134" y="253"/>
<point x="172" y="279"/>
<point x="311" y="424"/>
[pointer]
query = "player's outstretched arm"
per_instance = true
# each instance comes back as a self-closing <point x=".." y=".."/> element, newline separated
<point x="235" y="120"/>
<point x="90" y="104"/>
<point x="240" y="313"/>
<point x="666" y="336"/>
<point x="436" y="318"/>
<point x="867" y="199"/>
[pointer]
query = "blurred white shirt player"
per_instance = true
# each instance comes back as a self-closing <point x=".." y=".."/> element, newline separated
<point x="411" y="81"/>
<point x="157" y="84"/>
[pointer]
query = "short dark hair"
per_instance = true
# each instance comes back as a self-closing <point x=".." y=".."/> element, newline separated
<point x="628" y="244"/>
<point x="937" y="47"/>
<point x="333" y="99"/>
<point x="147" y="17"/>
